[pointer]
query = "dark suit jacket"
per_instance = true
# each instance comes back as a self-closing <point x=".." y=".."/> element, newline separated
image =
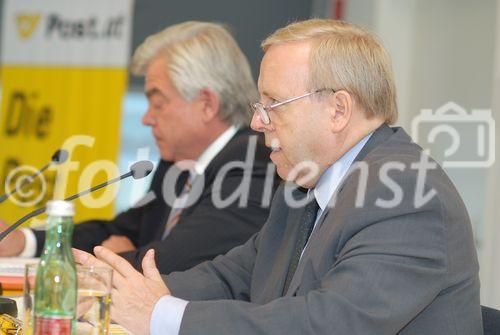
<point x="409" y="268"/>
<point x="203" y="231"/>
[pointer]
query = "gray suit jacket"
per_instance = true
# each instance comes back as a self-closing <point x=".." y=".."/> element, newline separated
<point x="408" y="269"/>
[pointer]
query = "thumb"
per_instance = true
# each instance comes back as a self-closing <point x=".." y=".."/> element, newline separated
<point x="149" y="266"/>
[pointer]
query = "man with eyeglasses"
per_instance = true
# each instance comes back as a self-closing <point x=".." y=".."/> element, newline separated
<point x="368" y="236"/>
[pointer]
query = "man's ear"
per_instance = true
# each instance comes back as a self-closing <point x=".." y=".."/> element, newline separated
<point x="209" y="103"/>
<point x="340" y="106"/>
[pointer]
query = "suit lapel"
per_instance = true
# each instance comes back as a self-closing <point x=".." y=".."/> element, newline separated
<point x="380" y="135"/>
<point x="284" y="256"/>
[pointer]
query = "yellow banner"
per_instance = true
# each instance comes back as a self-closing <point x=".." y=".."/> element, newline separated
<point x="47" y="108"/>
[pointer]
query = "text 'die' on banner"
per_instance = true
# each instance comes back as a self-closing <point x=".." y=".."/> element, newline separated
<point x="64" y="75"/>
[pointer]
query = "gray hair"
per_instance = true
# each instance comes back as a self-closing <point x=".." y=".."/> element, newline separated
<point x="203" y="55"/>
<point x="344" y="56"/>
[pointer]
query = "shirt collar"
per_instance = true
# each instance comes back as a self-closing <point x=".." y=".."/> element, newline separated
<point x="213" y="149"/>
<point x="330" y="179"/>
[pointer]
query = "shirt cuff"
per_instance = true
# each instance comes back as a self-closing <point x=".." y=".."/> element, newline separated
<point x="29" y="245"/>
<point x="167" y="315"/>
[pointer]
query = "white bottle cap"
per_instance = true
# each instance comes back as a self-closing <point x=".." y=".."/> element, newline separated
<point x="60" y="208"/>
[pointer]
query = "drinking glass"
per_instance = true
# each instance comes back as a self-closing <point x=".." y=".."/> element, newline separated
<point x="93" y="304"/>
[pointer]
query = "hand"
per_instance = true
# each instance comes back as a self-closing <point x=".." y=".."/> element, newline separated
<point x="86" y="259"/>
<point x="13" y="244"/>
<point x="118" y="244"/>
<point x="133" y="295"/>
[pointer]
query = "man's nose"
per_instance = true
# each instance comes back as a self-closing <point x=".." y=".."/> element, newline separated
<point x="258" y="125"/>
<point x="147" y="118"/>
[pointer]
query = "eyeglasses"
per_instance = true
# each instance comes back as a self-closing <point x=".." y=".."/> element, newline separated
<point x="263" y="111"/>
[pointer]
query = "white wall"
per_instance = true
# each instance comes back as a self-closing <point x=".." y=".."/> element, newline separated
<point x="491" y="248"/>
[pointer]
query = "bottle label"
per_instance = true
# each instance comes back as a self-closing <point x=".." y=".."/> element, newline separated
<point x="52" y="325"/>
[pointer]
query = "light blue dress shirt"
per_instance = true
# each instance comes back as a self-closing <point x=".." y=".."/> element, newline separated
<point x="331" y="178"/>
<point x="168" y="312"/>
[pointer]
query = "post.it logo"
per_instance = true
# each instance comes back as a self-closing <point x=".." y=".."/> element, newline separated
<point x="26" y="24"/>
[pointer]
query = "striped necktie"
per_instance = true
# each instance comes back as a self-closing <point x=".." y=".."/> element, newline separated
<point x="178" y="206"/>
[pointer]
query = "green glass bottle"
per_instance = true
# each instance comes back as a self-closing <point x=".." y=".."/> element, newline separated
<point x="56" y="280"/>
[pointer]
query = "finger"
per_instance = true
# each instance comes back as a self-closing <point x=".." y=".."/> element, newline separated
<point x="114" y="310"/>
<point x="149" y="266"/>
<point x="84" y="258"/>
<point x="115" y="296"/>
<point x="118" y="280"/>
<point x="119" y="264"/>
<point x="80" y="256"/>
<point x="84" y="305"/>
